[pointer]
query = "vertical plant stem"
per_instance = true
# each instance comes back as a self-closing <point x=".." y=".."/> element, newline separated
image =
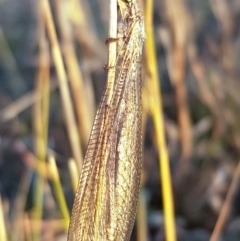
<point x="178" y="21"/>
<point x="112" y="51"/>
<point x="222" y="11"/>
<point x="157" y="113"/>
<point x="74" y="72"/>
<point x="63" y="85"/>
<point x="226" y="208"/>
<point x="40" y="123"/>
<point x="57" y="188"/>
<point x="27" y="228"/>
<point x="73" y="174"/>
<point x="3" y="233"/>
<point x="19" y="206"/>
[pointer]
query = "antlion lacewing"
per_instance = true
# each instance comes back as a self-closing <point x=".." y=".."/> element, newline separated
<point x="106" y="199"/>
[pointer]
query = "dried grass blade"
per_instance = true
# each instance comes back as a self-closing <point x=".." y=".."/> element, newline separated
<point x="63" y="85"/>
<point x="157" y="114"/>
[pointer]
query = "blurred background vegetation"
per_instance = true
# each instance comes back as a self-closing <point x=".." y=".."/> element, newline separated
<point x="51" y="81"/>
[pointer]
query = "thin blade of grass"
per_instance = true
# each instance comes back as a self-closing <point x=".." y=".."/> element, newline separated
<point x="63" y="85"/>
<point x="75" y="76"/>
<point x="226" y="208"/>
<point x="3" y="232"/>
<point x="17" y="233"/>
<point x="178" y="19"/>
<point x="40" y="124"/>
<point x="58" y="190"/>
<point x="73" y="173"/>
<point x="157" y="114"/>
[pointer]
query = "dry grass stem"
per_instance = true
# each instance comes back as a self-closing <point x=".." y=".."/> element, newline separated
<point x="3" y="232"/>
<point x="73" y="173"/>
<point x="58" y="190"/>
<point x="227" y="205"/>
<point x="63" y="85"/>
<point x="177" y="16"/>
<point x="27" y="228"/>
<point x="73" y="70"/>
<point x="112" y="50"/>
<point x="40" y="123"/>
<point x="19" y="206"/>
<point x="155" y="100"/>
<point x="84" y="34"/>
<point x="223" y="14"/>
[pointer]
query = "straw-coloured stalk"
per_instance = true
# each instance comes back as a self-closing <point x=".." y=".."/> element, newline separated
<point x="81" y="17"/>
<point x="112" y="50"/>
<point x="177" y="17"/>
<point x="27" y="228"/>
<point x="73" y="173"/>
<point x="40" y="123"/>
<point x="226" y="208"/>
<point x="224" y="14"/>
<point x="57" y="188"/>
<point x="3" y="233"/>
<point x="75" y="76"/>
<point x="19" y="206"/>
<point x="157" y="114"/>
<point x="63" y="85"/>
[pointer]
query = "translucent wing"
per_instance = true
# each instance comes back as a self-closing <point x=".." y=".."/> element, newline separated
<point x="105" y="203"/>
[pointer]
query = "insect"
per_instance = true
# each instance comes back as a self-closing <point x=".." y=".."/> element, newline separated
<point x="106" y="199"/>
